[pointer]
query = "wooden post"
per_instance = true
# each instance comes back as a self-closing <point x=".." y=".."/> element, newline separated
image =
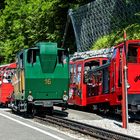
<point x="124" y="86"/>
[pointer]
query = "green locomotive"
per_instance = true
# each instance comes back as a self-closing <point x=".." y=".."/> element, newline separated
<point x="42" y="77"/>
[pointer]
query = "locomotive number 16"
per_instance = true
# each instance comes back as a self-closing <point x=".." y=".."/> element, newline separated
<point x="48" y="81"/>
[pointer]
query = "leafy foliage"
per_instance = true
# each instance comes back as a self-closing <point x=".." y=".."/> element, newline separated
<point x="24" y="22"/>
<point x="117" y="37"/>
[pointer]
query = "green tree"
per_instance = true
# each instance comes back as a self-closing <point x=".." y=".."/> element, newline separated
<point x="24" y="22"/>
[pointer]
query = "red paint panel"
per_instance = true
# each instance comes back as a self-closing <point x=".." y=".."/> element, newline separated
<point x="134" y="78"/>
<point x="6" y="88"/>
<point x="5" y="91"/>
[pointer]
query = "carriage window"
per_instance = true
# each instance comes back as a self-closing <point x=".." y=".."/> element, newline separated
<point x="31" y="56"/>
<point x="79" y="68"/>
<point x="8" y="75"/>
<point x="74" y="74"/>
<point x="114" y="53"/>
<point x="104" y="61"/>
<point x="132" y="54"/>
<point x="91" y="65"/>
<point x="88" y="68"/>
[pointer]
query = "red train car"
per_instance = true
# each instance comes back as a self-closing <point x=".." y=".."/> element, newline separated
<point x="80" y="92"/>
<point x="101" y="87"/>
<point x="6" y="88"/>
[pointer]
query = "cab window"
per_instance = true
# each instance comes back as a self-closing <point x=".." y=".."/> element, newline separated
<point x="62" y="56"/>
<point x="132" y="54"/>
<point x="31" y="56"/>
<point x="21" y="61"/>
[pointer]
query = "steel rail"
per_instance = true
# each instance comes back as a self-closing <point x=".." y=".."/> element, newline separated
<point x="86" y="129"/>
<point x="137" y="122"/>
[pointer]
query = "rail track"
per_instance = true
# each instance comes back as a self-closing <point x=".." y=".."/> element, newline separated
<point x="86" y="129"/>
<point x="137" y="122"/>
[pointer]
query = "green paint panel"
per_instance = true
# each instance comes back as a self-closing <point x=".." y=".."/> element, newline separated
<point x="44" y="74"/>
<point x="48" y="55"/>
<point x="41" y="90"/>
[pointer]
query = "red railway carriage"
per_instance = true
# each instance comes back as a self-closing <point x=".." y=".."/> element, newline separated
<point x="80" y="92"/>
<point x="6" y="88"/>
<point x="101" y="86"/>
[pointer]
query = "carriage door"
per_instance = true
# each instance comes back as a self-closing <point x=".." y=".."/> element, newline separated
<point x="120" y="68"/>
<point x="71" y="87"/>
<point x="71" y="73"/>
<point x="106" y="78"/>
<point x="133" y="64"/>
<point x="1" y="73"/>
<point x="78" y="80"/>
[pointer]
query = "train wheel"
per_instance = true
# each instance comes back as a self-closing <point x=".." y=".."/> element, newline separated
<point x="34" y="112"/>
<point x="50" y="110"/>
